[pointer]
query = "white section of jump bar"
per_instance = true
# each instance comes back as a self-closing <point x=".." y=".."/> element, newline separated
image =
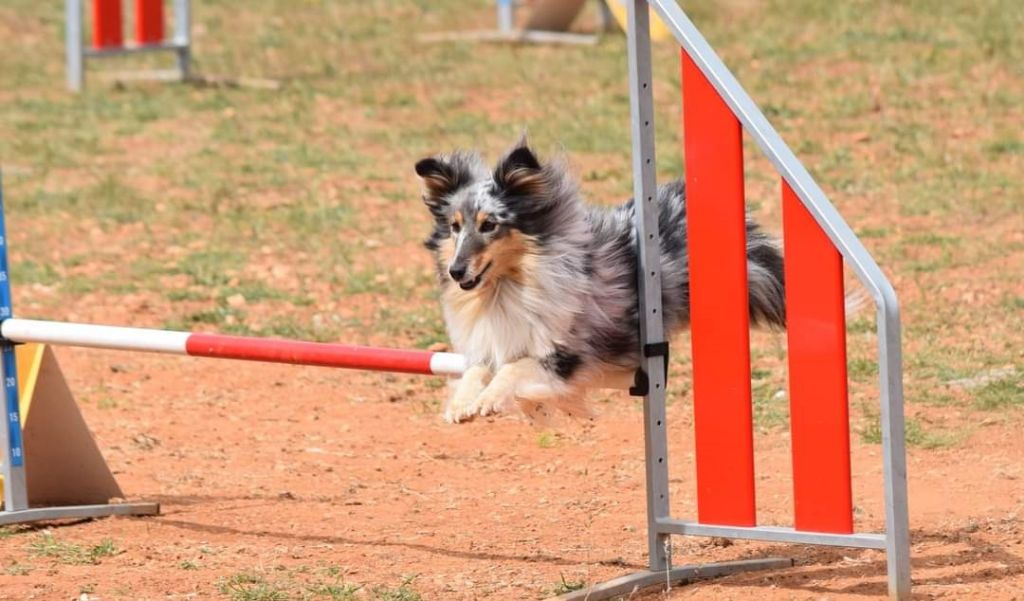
<point x="447" y="364"/>
<point x="774" y="534"/>
<point x="95" y="336"/>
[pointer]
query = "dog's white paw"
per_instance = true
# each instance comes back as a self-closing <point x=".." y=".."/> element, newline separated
<point x="497" y="397"/>
<point x="459" y="411"/>
<point x="463" y="405"/>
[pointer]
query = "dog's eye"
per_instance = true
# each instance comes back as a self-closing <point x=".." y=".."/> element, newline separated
<point x="456" y="227"/>
<point x="487" y="226"/>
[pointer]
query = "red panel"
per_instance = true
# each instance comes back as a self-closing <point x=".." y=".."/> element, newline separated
<point x="716" y="228"/>
<point x="107" y="26"/>
<point x="308" y="353"/>
<point x="149" y="21"/>
<point x="816" y="325"/>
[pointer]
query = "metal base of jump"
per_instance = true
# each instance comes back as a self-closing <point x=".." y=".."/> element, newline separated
<point x="678" y="576"/>
<point x="71" y="512"/>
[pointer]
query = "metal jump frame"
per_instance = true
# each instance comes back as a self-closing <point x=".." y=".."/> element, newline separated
<point x="661" y="525"/>
<point x="77" y="52"/>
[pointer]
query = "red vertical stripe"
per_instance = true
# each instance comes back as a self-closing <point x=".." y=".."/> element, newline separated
<point x="149" y="21"/>
<point x="816" y="325"/>
<point x="716" y="228"/>
<point x="107" y="26"/>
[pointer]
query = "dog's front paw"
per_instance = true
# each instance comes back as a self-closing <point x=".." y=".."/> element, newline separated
<point x="460" y="410"/>
<point x="496" y="398"/>
<point x="463" y="405"/>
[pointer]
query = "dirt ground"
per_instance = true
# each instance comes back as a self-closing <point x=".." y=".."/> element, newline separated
<point x="286" y="473"/>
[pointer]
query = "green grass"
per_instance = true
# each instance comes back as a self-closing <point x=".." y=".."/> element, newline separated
<point x="1000" y="394"/>
<point x="251" y="587"/>
<point x="917" y="433"/>
<point x="18" y="569"/>
<point x="547" y="440"/>
<point x="567" y="586"/>
<point x="46" y="545"/>
<point x="304" y="583"/>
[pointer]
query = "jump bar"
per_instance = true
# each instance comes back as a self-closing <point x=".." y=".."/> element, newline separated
<point x="247" y="348"/>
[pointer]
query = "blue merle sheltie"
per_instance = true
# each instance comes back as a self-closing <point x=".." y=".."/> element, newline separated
<point x="539" y="290"/>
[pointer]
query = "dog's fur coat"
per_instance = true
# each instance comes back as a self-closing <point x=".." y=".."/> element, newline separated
<point x="539" y="290"/>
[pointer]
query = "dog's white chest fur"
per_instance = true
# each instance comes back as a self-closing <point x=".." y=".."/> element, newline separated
<point x="512" y="323"/>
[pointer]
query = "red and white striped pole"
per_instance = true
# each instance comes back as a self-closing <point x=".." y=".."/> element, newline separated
<point x="270" y="350"/>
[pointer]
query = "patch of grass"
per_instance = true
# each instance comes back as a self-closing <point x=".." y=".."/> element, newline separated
<point x="185" y="294"/>
<point x="1005" y="146"/>
<point x="18" y="569"/>
<point x="320" y="329"/>
<point x="46" y="545"/>
<point x="547" y="439"/>
<point x="210" y="267"/>
<point x="1013" y="302"/>
<point x="227" y="319"/>
<point x="1008" y="392"/>
<point x="861" y="325"/>
<point x="365" y="281"/>
<point x="78" y="285"/>
<point x="862" y="369"/>
<point x="247" y="586"/>
<point x="400" y="593"/>
<point x="188" y="564"/>
<point x="107" y="402"/>
<point x="917" y="435"/>
<point x="255" y="291"/>
<point x="28" y="271"/>
<point x="873" y="232"/>
<point x="567" y="586"/>
<point x="12" y="530"/>
<point x="305" y="583"/>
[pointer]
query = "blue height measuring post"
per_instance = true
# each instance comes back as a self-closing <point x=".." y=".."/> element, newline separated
<point x="15" y="495"/>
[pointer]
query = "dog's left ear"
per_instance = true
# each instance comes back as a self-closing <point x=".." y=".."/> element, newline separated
<point x="519" y="173"/>
<point x="441" y="177"/>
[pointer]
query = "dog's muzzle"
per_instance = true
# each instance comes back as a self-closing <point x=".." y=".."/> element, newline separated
<point x="473" y="283"/>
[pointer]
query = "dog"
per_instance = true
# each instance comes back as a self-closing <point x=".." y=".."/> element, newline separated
<point x="539" y="289"/>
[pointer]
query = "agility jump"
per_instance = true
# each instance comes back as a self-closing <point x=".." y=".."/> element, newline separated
<point x="717" y="111"/>
<point x="108" y="36"/>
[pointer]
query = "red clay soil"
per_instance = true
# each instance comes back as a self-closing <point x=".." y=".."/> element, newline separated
<point x="280" y="470"/>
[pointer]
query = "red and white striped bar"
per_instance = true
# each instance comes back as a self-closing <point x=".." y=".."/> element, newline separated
<point x="269" y="350"/>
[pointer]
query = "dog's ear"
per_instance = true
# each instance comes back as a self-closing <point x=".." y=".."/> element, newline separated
<point x="439" y="178"/>
<point x="519" y="173"/>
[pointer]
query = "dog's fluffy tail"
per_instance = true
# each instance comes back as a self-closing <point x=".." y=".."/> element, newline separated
<point x="765" y="279"/>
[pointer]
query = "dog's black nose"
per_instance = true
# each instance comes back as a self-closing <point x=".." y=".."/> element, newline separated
<point x="457" y="273"/>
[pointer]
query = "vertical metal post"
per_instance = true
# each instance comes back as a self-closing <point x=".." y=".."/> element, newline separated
<point x="505" y="16"/>
<point x="183" y="36"/>
<point x="73" y="44"/>
<point x="15" y="493"/>
<point x="894" y="453"/>
<point x="649" y="278"/>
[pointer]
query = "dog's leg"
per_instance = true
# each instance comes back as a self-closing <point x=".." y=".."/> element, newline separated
<point x="463" y="404"/>
<point x="525" y="378"/>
